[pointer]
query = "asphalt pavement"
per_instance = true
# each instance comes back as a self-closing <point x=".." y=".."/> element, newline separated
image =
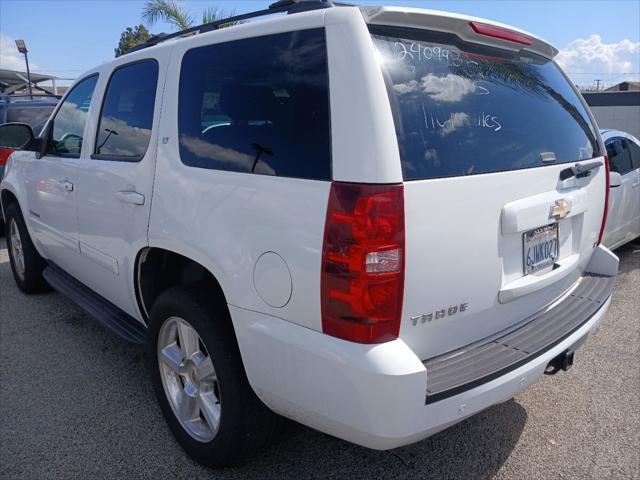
<point x="76" y="402"/>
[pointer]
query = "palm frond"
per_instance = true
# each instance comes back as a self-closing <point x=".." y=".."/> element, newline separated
<point x="213" y="14"/>
<point x="169" y="11"/>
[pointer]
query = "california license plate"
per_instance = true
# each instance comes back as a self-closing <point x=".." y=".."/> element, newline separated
<point x="541" y="248"/>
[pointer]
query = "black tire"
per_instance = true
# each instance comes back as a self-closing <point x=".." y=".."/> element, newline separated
<point x="246" y="424"/>
<point x="32" y="280"/>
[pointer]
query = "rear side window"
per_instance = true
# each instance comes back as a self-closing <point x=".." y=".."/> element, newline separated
<point x="258" y="105"/>
<point x="67" y="132"/>
<point x="126" y="119"/>
<point x="463" y="109"/>
<point x="619" y="157"/>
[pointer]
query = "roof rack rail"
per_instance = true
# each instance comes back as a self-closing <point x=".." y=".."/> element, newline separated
<point x="281" y="6"/>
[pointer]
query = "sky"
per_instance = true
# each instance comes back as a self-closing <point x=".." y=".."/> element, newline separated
<point x="598" y="40"/>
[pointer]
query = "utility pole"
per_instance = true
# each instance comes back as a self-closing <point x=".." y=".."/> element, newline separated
<point x="22" y="48"/>
<point x="598" y="84"/>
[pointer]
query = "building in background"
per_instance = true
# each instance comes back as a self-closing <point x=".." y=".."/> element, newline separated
<point x="624" y="87"/>
<point x="617" y="107"/>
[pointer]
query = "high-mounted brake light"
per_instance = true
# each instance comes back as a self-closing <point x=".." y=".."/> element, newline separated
<point x="501" y="33"/>
<point x="362" y="281"/>
<point x="606" y="200"/>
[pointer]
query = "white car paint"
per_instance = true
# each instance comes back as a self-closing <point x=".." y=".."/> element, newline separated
<point x="369" y="394"/>
<point x="623" y="220"/>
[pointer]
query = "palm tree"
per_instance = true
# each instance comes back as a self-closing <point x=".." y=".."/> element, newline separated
<point x="179" y="16"/>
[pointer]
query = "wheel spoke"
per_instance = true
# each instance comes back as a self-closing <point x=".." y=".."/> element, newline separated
<point x="205" y="370"/>
<point x="210" y="408"/>
<point x="188" y="408"/>
<point x="172" y="357"/>
<point x="16" y="248"/>
<point x="188" y="339"/>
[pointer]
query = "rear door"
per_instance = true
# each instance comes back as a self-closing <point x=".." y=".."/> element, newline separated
<point x="497" y="224"/>
<point x="622" y="198"/>
<point x="634" y="151"/>
<point x="115" y="183"/>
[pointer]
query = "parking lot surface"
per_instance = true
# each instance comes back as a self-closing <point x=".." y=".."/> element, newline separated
<point x="76" y="402"/>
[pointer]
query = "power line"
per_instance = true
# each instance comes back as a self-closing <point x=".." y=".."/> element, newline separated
<point x="603" y="73"/>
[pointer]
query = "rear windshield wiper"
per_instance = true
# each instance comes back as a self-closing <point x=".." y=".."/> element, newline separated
<point x="579" y="171"/>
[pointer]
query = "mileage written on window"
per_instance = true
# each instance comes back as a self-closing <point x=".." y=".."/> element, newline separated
<point x="462" y="109"/>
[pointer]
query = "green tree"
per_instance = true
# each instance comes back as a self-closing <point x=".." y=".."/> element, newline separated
<point x="132" y="37"/>
<point x="179" y="16"/>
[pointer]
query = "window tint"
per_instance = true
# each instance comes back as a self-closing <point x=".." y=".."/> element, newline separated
<point x="462" y="109"/>
<point x="124" y="129"/>
<point x="619" y="158"/>
<point x="634" y="150"/>
<point x="34" y="116"/>
<point x="68" y="124"/>
<point x="257" y="105"/>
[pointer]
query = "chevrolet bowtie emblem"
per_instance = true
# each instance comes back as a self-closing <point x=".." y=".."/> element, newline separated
<point x="560" y="209"/>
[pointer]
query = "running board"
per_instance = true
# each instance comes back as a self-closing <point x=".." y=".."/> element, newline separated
<point x="100" y="309"/>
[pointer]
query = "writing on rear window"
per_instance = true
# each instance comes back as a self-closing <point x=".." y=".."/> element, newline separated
<point x="462" y="109"/>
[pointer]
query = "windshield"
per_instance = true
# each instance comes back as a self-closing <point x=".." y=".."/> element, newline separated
<point x="463" y="109"/>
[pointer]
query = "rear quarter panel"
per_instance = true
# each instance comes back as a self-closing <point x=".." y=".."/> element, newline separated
<point x="227" y="220"/>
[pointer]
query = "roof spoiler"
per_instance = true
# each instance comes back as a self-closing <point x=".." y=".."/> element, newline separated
<point x="470" y="29"/>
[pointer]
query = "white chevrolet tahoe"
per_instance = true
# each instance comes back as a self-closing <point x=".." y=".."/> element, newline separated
<point x="374" y="221"/>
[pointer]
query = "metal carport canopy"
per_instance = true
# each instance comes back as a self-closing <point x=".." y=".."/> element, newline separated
<point x="12" y="80"/>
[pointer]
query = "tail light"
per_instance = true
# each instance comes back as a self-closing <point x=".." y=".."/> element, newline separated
<point x="4" y="155"/>
<point x="501" y="33"/>
<point x="606" y="200"/>
<point x="362" y="280"/>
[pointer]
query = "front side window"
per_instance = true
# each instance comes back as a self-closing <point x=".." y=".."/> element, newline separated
<point x="634" y="151"/>
<point x="619" y="158"/>
<point x="124" y="129"/>
<point x="258" y="105"/>
<point x="68" y="125"/>
<point x="464" y="109"/>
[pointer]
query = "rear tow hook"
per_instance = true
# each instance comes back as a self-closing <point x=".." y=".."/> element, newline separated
<point x="564" y="361"/>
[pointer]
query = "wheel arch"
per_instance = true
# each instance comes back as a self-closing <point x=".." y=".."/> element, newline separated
<point x="157" y="269"/>
<point x="8" y="197"/>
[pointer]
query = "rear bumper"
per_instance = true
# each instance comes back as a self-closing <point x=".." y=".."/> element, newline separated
<point x="374" y="395"/>
<point x="472" y="365"/>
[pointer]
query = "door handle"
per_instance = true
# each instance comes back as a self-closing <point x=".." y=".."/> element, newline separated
<point x="66" y="185"/>
<point x="131" y="197"/>
<point x="635" y="185"/>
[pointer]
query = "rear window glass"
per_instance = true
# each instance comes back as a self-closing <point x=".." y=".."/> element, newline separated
<point x="34" y="116"/>
<point x="258" y="105"/>
<point x="463" y="109"/>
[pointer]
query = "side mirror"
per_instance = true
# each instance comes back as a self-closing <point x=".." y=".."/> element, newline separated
<point x="615" y="179"/>
<point x="15" y="136"/>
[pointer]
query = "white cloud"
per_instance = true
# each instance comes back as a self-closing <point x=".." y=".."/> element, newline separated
<point x="450" y="88"/>
<point x="590" y="58"/>
<point x="10" y="58"/>
<point x="408" y="87"/>
<point x="455" y="121"/>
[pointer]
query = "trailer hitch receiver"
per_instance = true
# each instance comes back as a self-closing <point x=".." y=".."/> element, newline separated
<point x="564" y="361"/>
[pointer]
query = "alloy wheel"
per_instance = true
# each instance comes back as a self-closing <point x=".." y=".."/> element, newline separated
<point x="189" y="379"/>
